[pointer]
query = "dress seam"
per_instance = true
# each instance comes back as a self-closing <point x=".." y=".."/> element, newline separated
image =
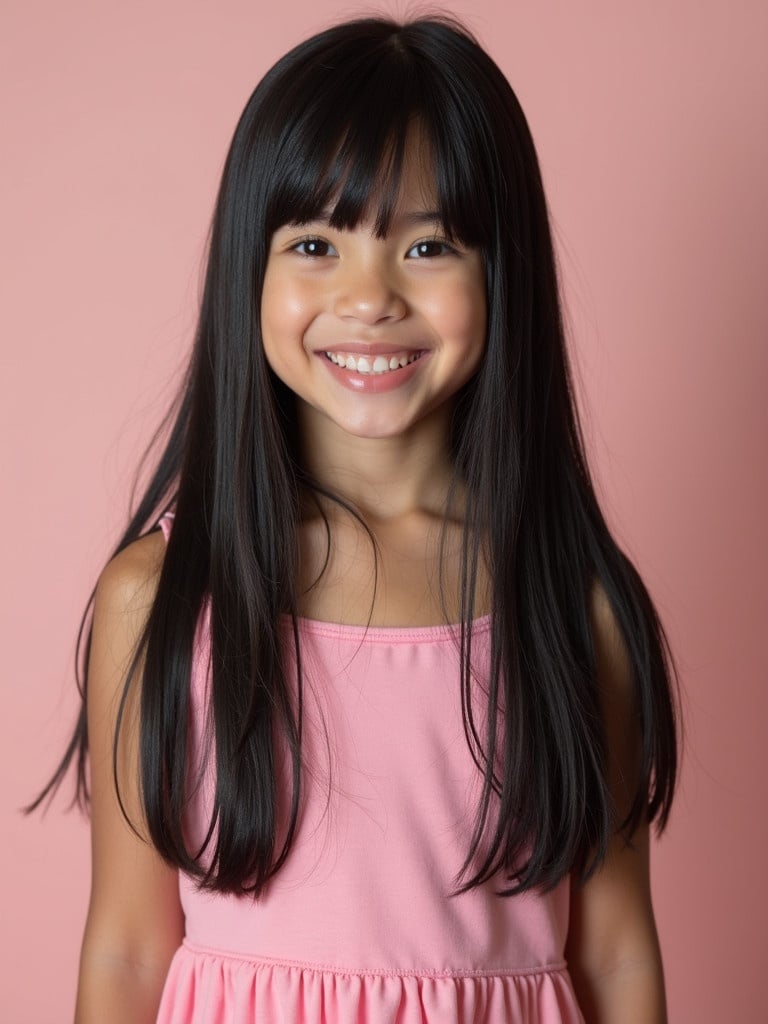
<point x="304" y="965"/>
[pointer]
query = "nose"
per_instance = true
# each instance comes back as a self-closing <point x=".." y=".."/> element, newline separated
<point x="369" y="295"/>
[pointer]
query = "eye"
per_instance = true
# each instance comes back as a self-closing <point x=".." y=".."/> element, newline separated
<point x="430" y="248"/>
<point x="314" y="248"/>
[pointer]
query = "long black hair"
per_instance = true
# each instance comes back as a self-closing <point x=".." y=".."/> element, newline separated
<point x="328" y="125"/>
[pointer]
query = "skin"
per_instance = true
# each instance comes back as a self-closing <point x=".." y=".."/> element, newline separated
<point x="135" y="921"/>
<point x="613" y="949"/>
<point x="387" y="454"/>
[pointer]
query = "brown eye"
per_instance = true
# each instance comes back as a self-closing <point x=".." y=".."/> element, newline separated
<point x="314" y="247"/>
<point x="429" y="248"/>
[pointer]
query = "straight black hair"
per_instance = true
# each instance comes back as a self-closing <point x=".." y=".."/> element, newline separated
<point x="327" y="126"/>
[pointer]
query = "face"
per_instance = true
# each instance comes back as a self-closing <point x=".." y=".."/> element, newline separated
<point x="374" y="334"/>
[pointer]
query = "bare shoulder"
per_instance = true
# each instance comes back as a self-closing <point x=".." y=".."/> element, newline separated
<point x="129" y="580"/>
<point x="618" y="700"/>
<point x="602" y="614"/>
<point x="125" y="592"/>
<point x="613" y="663"/>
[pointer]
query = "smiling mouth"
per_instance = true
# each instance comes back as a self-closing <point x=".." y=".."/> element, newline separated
<point x="373" y="365"/>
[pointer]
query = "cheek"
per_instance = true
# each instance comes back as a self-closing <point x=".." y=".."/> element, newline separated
<point x="460" y="314"/>
<point x="285" y="312"/>
<point x="268" y="305"/>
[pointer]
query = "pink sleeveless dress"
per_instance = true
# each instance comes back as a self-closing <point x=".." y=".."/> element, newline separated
<point x="357" y="927"/>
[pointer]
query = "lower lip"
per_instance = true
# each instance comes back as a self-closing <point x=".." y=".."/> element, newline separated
<point x="373" y="383"/>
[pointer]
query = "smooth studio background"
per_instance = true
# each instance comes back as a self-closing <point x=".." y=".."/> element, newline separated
<point x="650" y="125"/>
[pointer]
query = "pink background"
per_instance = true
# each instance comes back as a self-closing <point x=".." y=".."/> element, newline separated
<point x="650" y="121"/>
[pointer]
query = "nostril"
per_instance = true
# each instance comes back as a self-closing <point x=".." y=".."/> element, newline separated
<point x="370" y="304"/>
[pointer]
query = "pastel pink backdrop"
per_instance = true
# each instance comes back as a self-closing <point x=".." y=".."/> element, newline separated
<point x="650" y="125"/>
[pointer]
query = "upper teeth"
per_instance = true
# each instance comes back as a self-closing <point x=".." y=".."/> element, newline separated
<point x="381" y="364"/>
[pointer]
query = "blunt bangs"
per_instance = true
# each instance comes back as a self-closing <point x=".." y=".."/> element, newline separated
<point x="348" y="115"/>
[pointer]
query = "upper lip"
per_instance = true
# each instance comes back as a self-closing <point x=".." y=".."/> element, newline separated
<point x="361" y="348"/>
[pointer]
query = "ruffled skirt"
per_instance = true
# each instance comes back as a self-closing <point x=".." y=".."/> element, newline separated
<point x="213" y="987"/>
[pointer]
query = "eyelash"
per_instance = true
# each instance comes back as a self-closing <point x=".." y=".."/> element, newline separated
<point x="306" y="241"/>
<point x="448" y="248"/>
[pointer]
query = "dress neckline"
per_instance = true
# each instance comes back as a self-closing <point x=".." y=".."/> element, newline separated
<point x="379" y="634"/>
<point x="385" y="634"/>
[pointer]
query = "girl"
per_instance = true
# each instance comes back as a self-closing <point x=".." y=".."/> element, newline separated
<point x="377" y="720"/>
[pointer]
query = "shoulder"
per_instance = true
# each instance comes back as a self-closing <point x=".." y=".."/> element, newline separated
<point x="614" y="670"/>
<point x="129" y="580"/>
<point x="123" y="598"/>
<point x="603" y="619"/>
<point x="618" y="699"/>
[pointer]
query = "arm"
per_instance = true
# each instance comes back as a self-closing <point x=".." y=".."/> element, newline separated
<point x="613" y="948"/>
<point x="135" y="921"/>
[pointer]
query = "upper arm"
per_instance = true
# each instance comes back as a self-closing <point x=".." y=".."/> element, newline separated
<point x="134" y="913"/>
<point x="611" y="921"/>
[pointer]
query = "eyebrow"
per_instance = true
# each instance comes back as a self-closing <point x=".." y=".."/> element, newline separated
<point x="422" y="217"/>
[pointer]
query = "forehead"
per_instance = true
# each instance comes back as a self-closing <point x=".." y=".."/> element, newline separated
<point x="374" y="179"/>
<point x="410" y="194"/>
<point x="403" y="181"/>
<point x="417" y="184"/>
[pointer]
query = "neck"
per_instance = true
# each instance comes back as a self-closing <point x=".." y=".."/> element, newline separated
<point x="385" y="478"/>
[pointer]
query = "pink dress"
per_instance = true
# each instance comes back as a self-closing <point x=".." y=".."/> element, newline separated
<point x="357" y="927"/>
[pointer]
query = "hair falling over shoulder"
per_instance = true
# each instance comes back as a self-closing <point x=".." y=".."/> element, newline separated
<point x="231" y="468"/>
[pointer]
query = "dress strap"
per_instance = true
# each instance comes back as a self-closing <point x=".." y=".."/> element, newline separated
<point x="165" y="522"/>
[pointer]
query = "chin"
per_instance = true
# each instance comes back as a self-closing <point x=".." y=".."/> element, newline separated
<point x="371" y="433"/>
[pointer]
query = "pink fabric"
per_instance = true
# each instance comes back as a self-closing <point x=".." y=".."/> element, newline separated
<point x="357" y="926"/>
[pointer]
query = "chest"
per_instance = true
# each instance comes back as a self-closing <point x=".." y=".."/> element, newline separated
<point x="344" y="581"/>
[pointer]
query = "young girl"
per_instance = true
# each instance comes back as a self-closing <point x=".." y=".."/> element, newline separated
<point x="377" y="720"/>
